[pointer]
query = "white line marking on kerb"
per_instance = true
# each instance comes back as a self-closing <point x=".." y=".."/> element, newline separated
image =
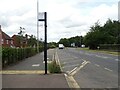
<point x="108" y="69"/>
<point x="35" y="65"/>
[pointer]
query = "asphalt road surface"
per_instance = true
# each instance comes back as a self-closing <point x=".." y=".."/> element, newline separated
<point x="94" y="69"/>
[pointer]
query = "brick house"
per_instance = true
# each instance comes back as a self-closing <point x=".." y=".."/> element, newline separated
<point x="19" y="41"/>
<point x="16" y="41"/>
<point x="5" y="40"/>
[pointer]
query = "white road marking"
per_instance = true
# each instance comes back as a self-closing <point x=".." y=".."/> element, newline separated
<point x="108" y="69"/>
<point x="78" y="68"/>
<point x="47" y="61"/>
<point x="35" y="65"/>
<point x="73" y="70"/>
<point x="116" y="59"/>
<point x="102" y="56"/>
<point x="83" y="63"/>
<point x="47" y="58"/>
<point x="97" y="65"/>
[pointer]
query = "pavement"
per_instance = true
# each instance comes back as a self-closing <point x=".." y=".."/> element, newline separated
<point x="29" y="73"/>
<point x="32" y="63"/>
<point x="34" y="81"/>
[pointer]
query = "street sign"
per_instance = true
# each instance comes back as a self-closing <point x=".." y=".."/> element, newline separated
<point x="43" y="17"/>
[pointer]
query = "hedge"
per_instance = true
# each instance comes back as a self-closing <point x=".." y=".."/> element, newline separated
<point x="13" y="55"/>
<point x="111" y="47"/>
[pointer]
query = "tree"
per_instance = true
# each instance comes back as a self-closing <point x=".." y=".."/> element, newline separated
<point x="107" y="34"/>
<point x="65" y="42"/>
<point x="32" y="41"/>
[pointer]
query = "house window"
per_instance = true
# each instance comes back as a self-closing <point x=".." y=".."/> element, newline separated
<point x="7" y="41"/>
<point x="11" y="42"/>
<point x="2" y="41"/>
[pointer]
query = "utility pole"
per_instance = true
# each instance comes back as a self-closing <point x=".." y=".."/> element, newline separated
<point x="37" y="27"/>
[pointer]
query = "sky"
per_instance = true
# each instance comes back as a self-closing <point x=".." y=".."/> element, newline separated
<point x="65" y="18"/>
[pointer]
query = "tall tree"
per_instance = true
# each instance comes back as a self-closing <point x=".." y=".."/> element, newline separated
<point x="106" y="34"/>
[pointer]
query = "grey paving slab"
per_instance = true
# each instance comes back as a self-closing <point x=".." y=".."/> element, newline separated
<point x="35" y="81"/>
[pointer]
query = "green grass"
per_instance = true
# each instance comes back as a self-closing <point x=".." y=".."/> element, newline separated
<point x="101" y="51"/>
<point x="53" y="67"/>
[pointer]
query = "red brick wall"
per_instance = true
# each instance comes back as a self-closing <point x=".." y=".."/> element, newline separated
<point x="2" y="37"/>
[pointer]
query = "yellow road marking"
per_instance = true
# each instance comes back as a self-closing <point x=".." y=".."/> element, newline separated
<point x="71" y="81"/>
<point x="22" y="72"/>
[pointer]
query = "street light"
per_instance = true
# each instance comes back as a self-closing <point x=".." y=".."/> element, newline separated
<point x="43" y="17"/>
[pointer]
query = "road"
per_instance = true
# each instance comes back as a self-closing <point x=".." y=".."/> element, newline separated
<point x="90" y="69"/>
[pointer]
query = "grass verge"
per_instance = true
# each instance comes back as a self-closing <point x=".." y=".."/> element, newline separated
<point x="53" y="67"/>
<point x="101" y="51"/>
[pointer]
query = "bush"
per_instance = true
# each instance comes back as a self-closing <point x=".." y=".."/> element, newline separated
<point x="53" y="67"/>
<point x="111" y="47"/>
<point x="12" y="55"/>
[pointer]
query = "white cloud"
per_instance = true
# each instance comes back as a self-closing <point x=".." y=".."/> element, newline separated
<point x="65" y="18"/>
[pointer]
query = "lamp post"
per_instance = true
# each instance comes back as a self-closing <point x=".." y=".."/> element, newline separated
<point x="43" y="17"/>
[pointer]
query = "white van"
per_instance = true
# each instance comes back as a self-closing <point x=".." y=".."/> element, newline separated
<point x="61" y="46"/>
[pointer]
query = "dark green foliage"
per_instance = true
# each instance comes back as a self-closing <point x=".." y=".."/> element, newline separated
<point x="32" y="41"/>
<point x="109" y="33"/>
<point x="52" y="45"/>
<point x="65" y="42"/>
<point x="54" y="67"/>
<point x="111" y="47"/>
<point x="78" y="40"/>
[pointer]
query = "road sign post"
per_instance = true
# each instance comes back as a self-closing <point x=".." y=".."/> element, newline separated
<point x="45" y="41"/>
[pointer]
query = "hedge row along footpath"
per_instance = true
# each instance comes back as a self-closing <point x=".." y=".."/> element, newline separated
<point x="13" y="55"/>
